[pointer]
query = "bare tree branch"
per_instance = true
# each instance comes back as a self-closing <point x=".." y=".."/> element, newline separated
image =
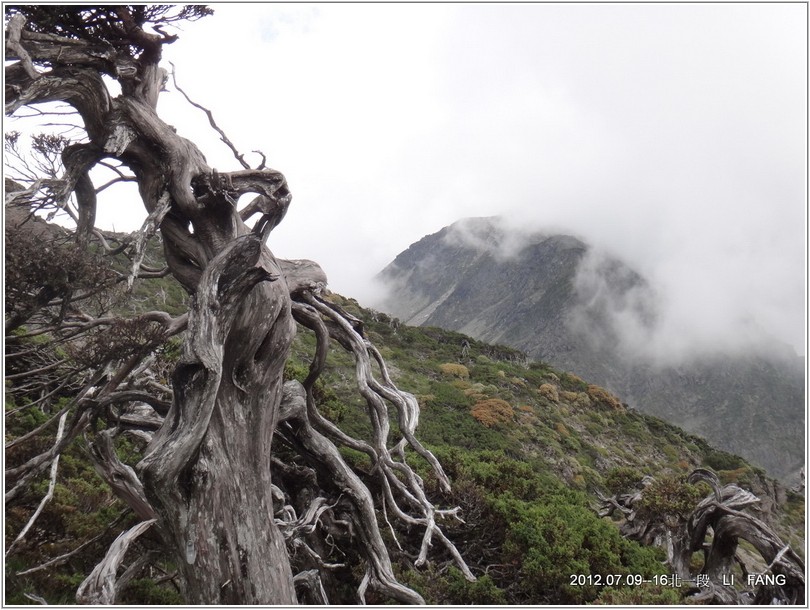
<point x="14" y="33"/>
<point x="224" y="138"/>
<point x="102" y="586"/>
<point x="54" y="465"/>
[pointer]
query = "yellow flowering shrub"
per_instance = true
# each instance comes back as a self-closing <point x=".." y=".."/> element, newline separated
<point x="493" y="411"/>
<point x="549" y="392"/>
<point x="602" y="396"/>
<point x="451" y="369"/>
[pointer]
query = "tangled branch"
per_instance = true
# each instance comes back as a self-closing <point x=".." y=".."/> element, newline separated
<point x="210" y="474"/>
<point x="723" y="514"/>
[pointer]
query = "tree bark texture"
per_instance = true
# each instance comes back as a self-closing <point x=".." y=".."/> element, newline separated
<point x="208" y="467"/>
<point x="205" y="479"/>
<point x="102" y="585"/>
<point x="207" y="472"/>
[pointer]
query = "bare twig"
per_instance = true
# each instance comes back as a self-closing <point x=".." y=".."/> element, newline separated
<point x="36" y="598"/>
<point x="108" y="184"/>
<point x="239" y="156"/>
<point x="65" y="556"/>
<point x="101" y="586"/>
<point x="54" y="466"/>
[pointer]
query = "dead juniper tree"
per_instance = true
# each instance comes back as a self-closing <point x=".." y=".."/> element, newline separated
<point x="667" y="512"/>
<point x="240" y="524"/>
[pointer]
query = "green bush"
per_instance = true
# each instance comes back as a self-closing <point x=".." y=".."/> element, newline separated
<point x="572" y="383"/>
<point x="452" y="588"/>
<point x="669" y="499"/>
<point x="722" y="460"/>
<point x="448" y="395"/>
<point x="646" y="594"/>
<point x="553" y="541"/>
<point x="623" y="479"/>
<point x="145" y="591"/>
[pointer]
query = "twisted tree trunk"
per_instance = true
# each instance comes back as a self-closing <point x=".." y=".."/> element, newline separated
<point x="205" y="482"/>
<point x="208" y="469"/>
<point x="207" y="472"/>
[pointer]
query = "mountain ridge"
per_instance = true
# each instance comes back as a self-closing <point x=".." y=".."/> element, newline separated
<point x="530" y="290"/>
<point x="528" y="449"/>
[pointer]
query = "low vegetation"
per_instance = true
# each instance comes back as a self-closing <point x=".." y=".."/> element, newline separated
<point x="527" y="449"/>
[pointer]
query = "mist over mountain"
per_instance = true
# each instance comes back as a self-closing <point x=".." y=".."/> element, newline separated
<point x="565" y="302"/>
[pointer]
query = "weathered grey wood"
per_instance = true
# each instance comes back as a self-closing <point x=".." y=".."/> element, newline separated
<point x="48" y="495"/>
<point x="719" y="518"/>
<point x="351" y="486"/>
<point x="120" y="477"/>
<point x="206" y="479"/>
<point x="310" y="582"/>
<point x="102" y="585"/>
<point x="302" y="275"/>
<point x="344" y="328"/>
<point x="208" y="468"/>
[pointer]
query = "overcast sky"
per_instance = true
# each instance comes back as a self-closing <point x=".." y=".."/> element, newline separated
<point x="673" y="135"/>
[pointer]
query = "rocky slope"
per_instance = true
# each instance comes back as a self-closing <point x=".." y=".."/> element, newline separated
<point x="555" y="298"/>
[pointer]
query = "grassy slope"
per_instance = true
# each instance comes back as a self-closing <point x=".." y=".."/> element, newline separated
<point x="499" y="423"/>
<point x="525" y="445"/>
<point x="559" y="423"/>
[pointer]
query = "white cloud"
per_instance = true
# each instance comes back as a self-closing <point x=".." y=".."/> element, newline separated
<point x="670" y="134"/>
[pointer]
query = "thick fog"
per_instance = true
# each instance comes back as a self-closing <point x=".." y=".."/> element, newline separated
<point x="671" y="135"/>
<point x="641" y="311"/>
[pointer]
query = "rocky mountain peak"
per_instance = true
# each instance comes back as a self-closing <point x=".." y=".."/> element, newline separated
<point x="560" y="300"/>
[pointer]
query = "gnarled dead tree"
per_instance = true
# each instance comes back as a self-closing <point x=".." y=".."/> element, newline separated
<point x="210" y="487"/>
<point x="713" y="527"/>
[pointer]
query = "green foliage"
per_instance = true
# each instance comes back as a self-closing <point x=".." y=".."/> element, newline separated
<point x="483" y="591"/>
<point x="449" y="396"/>
<point x="544" y="531"/>
<point x="722" y="460"/>
<point x="452" y="588"/>
<point x="645" y="594"/>
<point x="442" y="427"/>
<point x="556" y="540"/>
<point x="82" y="508"/>
<point x="144" y="591"/>
<point x="25" y="420"/>
<point x="327" y="401"/>
<point x="497" y="473"/>
<point x="294" y="370"/>
<point x="572" y="383"/>
<point x="622" y="479"/>
<point x="669" y="499"/>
